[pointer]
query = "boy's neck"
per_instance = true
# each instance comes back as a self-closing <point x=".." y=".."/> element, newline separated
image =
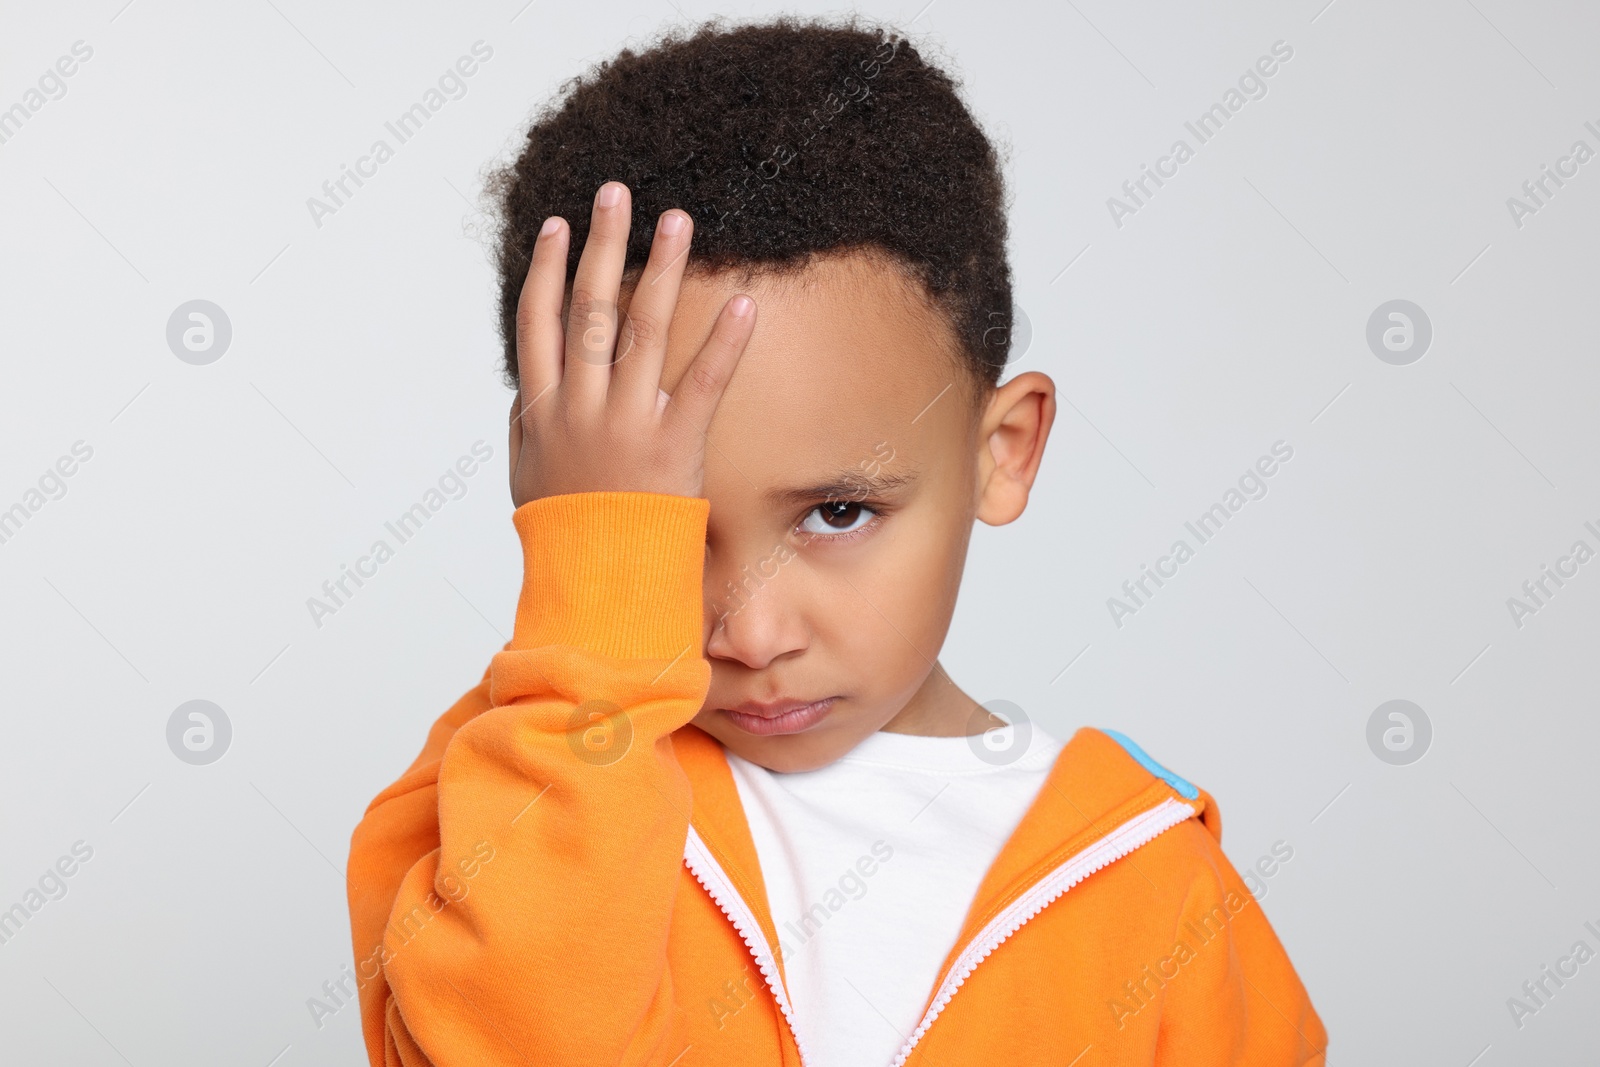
<point x="940" y="709"/>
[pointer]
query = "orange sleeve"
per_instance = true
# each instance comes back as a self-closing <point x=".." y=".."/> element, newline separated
<point x="1232" y="994"/>
<point x="511" y="894"/>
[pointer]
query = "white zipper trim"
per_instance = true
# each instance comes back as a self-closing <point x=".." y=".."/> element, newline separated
<point x="1136" y="832"/>
<point x="709" y="873"/>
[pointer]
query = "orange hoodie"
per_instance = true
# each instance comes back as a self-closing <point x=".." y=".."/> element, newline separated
<point x="522" y="895"/>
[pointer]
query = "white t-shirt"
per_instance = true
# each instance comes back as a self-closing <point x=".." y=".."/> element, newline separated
<point x="871" y="864"/>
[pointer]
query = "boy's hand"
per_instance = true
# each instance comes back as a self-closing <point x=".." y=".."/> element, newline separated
<point x="590" y="414"/>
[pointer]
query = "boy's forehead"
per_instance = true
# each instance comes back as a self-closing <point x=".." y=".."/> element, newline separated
<point x="846" y="355"/>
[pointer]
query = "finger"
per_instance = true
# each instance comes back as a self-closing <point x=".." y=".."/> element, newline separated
<point x="592" y="318"/>
<point x="514" y="442"/>
<point x="698" y="394"/>
<point x="539" y="330"/>
<point x="642" y="345"/>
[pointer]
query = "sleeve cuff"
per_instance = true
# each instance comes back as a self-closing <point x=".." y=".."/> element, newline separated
<point x="618" y="573"/>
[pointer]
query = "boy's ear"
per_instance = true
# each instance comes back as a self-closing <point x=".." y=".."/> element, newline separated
<point x="1011" y="438"/>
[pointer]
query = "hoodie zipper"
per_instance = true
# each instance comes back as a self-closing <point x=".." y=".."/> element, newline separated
<point x="709" y="873"/>
<point x="1136" y="832"/>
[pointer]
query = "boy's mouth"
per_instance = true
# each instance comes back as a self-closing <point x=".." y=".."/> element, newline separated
<point x="779" y="717"/>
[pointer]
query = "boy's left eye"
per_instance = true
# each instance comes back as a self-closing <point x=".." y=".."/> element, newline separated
<point x="835" y="518"/>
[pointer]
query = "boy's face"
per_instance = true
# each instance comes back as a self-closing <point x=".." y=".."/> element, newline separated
<point x="847" y="392"/>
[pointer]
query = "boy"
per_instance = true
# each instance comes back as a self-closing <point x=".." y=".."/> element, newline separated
<point x="716" y="802"/>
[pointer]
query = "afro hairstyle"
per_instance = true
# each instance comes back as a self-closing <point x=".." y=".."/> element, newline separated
<point x="784" y="140"/>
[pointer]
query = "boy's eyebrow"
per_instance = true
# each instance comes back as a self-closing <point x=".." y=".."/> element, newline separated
<point x="849" y="485"/>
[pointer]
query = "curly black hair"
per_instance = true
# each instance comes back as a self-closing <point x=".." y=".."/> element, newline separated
<point x="783" y="140"/>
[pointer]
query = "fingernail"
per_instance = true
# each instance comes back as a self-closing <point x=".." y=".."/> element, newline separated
<point x="551" y="225"/>
<point x="740" y="306"/>
<point x="672" y="223"/>
<point x="610" y="194"/>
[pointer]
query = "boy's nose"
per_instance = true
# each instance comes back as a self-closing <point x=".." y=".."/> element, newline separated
<point x="753" y="624"/>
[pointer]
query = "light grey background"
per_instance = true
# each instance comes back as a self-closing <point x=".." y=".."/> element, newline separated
<point x="1228" y="313"/>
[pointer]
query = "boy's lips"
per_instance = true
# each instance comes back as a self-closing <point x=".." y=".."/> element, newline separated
<point x="779" y="717"/>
